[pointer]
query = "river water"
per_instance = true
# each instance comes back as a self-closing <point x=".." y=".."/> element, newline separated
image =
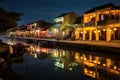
<point x="63" y="63"/>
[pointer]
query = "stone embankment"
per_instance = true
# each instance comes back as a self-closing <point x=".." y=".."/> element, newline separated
<point x="99" y="46"/>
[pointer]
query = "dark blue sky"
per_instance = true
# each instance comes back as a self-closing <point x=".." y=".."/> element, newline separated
<point x="48" y="9"/>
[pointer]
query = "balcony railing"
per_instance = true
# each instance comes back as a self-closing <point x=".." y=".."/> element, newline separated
<point x="89" y="24"/>
<point x="103" y="23"/>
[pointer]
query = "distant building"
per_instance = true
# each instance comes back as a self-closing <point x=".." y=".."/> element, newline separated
<point x="21" y="31"/>
<point x="64" y="23"/>
<point x="36" y="28"/>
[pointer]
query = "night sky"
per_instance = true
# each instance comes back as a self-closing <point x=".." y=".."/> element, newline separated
<point x="48" y="9"/>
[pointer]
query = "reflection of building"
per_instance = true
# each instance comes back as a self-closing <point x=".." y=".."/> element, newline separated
<point x="96" y="66"/>
<point x="102" y="23"/>
<point x="63" y="23"/>
<point x="99" y="67"/>
<point x="65" y="59"/>
<point x="38" y="52"/>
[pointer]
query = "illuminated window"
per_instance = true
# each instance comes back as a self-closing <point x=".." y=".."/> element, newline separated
<point x="102" y="17"/>
<point x="86" y="18"/>
<point x="90" y="16"/>
<point x="59" y="19"/>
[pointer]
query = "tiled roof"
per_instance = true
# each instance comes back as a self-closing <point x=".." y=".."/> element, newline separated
<point x="109" y="5"/>
<point x="64" y="14"/>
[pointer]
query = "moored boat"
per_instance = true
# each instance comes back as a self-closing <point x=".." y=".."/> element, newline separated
<point x="18" y="50"/>
<point x="3" y="47"/>
<point x="4" y="50"/>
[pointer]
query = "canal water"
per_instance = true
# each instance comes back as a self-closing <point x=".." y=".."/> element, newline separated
<point x="63" y="63"/>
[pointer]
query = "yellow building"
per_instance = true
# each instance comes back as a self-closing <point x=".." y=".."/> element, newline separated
<point x="31" y="27"/>
<point x="64" y="23"/>
<point x="101" y="23"/>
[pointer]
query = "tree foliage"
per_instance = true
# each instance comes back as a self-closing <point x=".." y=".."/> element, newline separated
<point x="8" y="19"/>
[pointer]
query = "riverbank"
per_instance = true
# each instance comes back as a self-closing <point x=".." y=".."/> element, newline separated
<point x="99" y="46"/>
<point x="112" y="48"/>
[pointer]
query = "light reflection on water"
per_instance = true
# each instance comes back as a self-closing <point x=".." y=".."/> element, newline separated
<point x="96" y="65"/>
<point x="66" y="64"/>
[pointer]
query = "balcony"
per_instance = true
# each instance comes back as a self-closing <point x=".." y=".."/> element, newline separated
<point x="89" y="24"/>
<point x="103" y="23"/>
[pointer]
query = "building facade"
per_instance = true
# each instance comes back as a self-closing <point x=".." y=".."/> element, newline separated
<point x="102" y="23"/>
<point x="64" y="23"/>
<point x="98" y="23"/>
<point x="38" y="29"/>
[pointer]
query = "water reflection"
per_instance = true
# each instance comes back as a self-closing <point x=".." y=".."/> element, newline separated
<point x="95" y="65"/>
<point x="65" y="59"/>
<point x="6" y="72"/>
<point x="65" y="64"/>
<point x="99" y="67"/>
<point x="38" y="52"/>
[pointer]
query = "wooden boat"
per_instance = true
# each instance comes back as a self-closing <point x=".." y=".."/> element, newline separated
<point x="3" y="47"/>
<point x="4" y="50"/>
<point x="18" y="50"/>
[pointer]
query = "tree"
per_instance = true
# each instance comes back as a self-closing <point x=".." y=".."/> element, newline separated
<point x="8" y="19"/>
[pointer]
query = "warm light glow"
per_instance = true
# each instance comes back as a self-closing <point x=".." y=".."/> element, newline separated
<point x="90" y="72"/>
<point x="103" y="29"/>
<point x="63" y="33"/>
<point x="91" y="16"/>
<point x="85" y="70"/>
<point x="98" y="30"/>
<point x="85" y="58"/>
<point x="81" y="32"/>
<point x="85" y="32"/>
<point x="104" y="65"/>
<point x="77" y="32"/>
<point x="98" y="62"/>
<point x="37" y="30"/>
<point x="110" y="30"/>
<point x="56" y="30"/>
<point x="56" y="54"/>
<point x="115" y="67"/>
<point x="115" y="29"/>
<point x="94" y="61"/>
<point x="37" y="49"/>
<point x="81" y="57"/>
<point x="76" y="56"/>
<point x="86" y="18"/>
